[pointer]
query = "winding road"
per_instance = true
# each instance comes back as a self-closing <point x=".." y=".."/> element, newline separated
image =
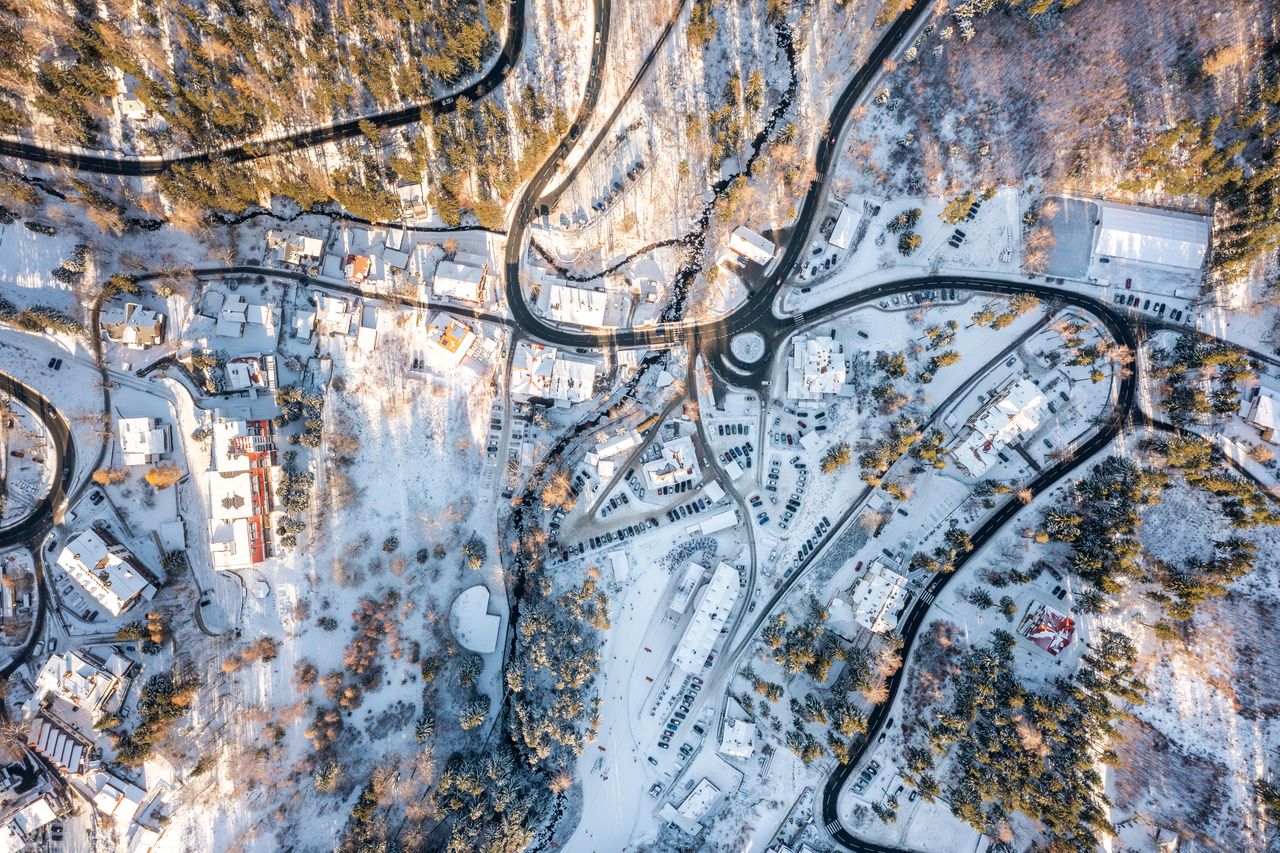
<point x="512" y="46"/>
<point x="30" y="530"/>
<point x="709" y="337"/>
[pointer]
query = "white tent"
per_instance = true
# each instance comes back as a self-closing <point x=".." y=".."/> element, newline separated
<point x="1147" y="235"/>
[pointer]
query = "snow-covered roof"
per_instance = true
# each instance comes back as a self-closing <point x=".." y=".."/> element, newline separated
<point x="231" y="495"/>
<point x="567" y="302"/>
<point x="751" y="245"/>
<point x="875" y="596"/>
<point x="115" y="797"/>
<point x="616" y="444"/>
<point x="258" y="315"/>
<point x="303" y="324"/>
<point x="81" y="678"/>
<point x="678" y="463"/>
<point x="449" y="339"/>
<point x="142" y="440"/>
<point x="1264" y="411"/>
<point x="842" y="233"/>
<point x="620" y="564"/>
<point x="722" y="520"/>
<point x="102" y="572"/>
<point x="472" y="623"/>
<point x="737" y="740"/>
<point x="531" y="367"/>
<point x="709" y="615"/>
<point x="459" y="281"/>
<point x="133" y="325"/>
<point x="59" y="742"/>
<point x="243" y="373"/>
<point x="293" y="248"/>
<point x="816" y="367"/>
<point x="230" y="543"/>
<point x="1152" y="236"/>
<point x="235" y="443"/>
<point x="682" y="592"/>
<point x="1012" y="412"/>
<point x="573" y="378"/>
<point x="1047" y="628"/>
<point x="29" y="819"/>
<point x="689" y="814"/>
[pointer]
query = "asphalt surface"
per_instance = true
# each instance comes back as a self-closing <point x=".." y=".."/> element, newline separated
<point x="64" y="462"/>
<point x="549" y="200"/>
<point x="512" y="46"/>
<point x="712" y="337"/>
<point x="31" y="529"/>
<point x="910" y="627"/>
<point x="757" y="311"/>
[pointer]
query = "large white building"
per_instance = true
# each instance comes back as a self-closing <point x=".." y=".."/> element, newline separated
<point x="105" y="570"/>
<point x="539" y="371"/>
<point x="754" y="247"/>
<point x="88" y="682"/>
<point x="448" y="340"/>
<point x="294" y="248"/>
<point x="133" y="325"/>
<point x="1150" y="236"/>
<point x="738" y="738"/>
<point x="816" y="369"/>
<point x="686" y="585"/>
<point x="1012" y="411"/>
<point x="462" y="278"/>
<point x="712" y="610"/>
<point x="876" y="598"/>
<point x="573" y="379"/>
<point x="531" y="369"/>
<point x="693" y="808"/>
<point x="842" y="233"/>
<point x="566" y="302"/>
<point x="240" y="492"/>
<point x="1262" y="411"/>
<point x="142" y="440"/>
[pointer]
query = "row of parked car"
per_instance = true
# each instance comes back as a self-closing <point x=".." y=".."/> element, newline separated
<point x="865" y="777"/>
<point x="942" y="294"/>
<point x="740" y="454"/>
<point x="682" y="712"/>
<point x="809" y="545"/>
<point x="691" y="508"/>
<point x="731" y="429"/>
<point x="622" y="533"/>
<point x="616" y="501"/>
<point x="1138" y="303"/>
<point x="793" y="502"/>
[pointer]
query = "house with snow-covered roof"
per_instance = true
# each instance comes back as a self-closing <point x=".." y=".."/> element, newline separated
<point x="142" y="440"/>
<point x="106" y="570"/>
<point x="133" y="325"/>
<point x="1262" y="411"/>
<point x="1012" y="411"/>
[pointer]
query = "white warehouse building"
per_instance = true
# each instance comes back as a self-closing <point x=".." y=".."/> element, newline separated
<point x="714" y="605"/>
<point x="1148" y="235"/>
<point x="754" y="247"/>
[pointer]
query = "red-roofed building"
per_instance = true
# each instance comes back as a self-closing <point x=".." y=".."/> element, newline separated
<point x="1047" y="628"/>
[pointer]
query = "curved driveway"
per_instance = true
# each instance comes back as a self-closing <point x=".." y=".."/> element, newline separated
<point x="31" y="529"/>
